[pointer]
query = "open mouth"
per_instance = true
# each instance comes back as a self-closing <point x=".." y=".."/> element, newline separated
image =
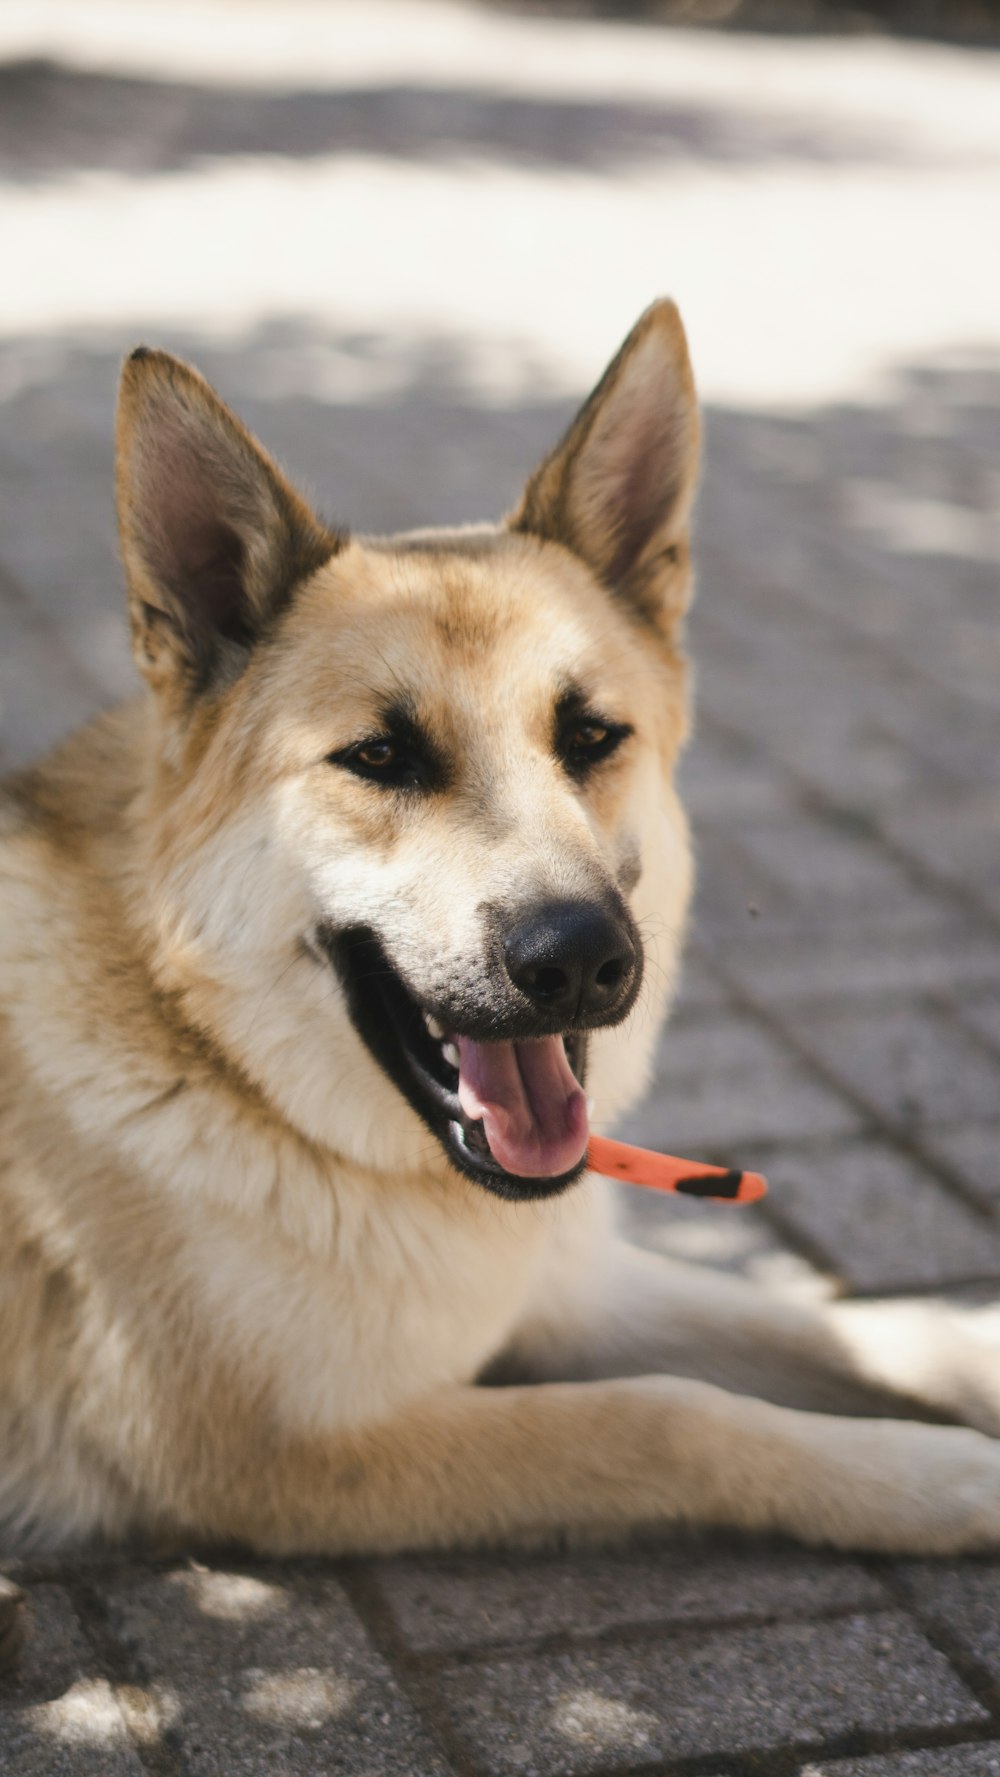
<point x="510" y="1114"/>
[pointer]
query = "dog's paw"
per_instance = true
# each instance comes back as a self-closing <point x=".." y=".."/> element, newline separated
<point x="923" y="1490"/>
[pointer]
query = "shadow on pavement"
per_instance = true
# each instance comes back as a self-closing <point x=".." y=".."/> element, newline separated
<point x="55" y="119"/>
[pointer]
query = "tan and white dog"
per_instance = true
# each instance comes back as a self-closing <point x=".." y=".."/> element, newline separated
<point x="305" y="959"/>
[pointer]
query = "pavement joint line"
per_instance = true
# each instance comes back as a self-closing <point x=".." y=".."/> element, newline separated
<point x="981" y="1038"/>
<point x="868" y="644"/>
<point x="976" y="1677"/>
<point x="903" y="669"/>
<point x="889" y="1128"/>
<point x="768" y="1761"/>
<point x="785" y="1761"/>
<point x="378" y="1619"/>
<point x="921" y="874"/>
<point x="807" y="1248"/>
<point x="746" y="1000"/>
<point x="812" y="799"/>
<point x="840" y="620"/>
<point x="877" y="1124"/>
<point x="625" y="1635"/>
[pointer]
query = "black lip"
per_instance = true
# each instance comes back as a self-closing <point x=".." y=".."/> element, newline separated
<point x="390" y="1021"/>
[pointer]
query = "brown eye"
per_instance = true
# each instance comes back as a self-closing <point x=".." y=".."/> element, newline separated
<point x="587" y="735"/>
<point x="378" y="755"/>
<point x="585" y="741"/>
<point x="391" y="763"/>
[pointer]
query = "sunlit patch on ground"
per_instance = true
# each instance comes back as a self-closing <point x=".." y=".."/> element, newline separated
<point x="587" y="1718"/>
<point x="87" y="1715"/>
<point x="230" y="1597"/>
<point x="305" y="1698"/>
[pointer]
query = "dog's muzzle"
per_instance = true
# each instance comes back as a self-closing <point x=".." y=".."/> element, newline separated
<point x="495" y="1069"/>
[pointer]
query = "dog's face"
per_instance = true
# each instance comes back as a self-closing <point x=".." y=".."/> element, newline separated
<point x="411" y="829"/>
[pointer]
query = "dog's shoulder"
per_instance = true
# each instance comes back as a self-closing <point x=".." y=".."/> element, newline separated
<point x="79" y="792"/>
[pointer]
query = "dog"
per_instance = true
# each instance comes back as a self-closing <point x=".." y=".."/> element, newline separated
<point x="308" y="958"/>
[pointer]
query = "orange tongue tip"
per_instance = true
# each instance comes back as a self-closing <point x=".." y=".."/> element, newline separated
<point x="663" y="1172"/>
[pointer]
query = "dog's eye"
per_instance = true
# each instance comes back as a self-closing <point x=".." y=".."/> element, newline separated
<point x="387" y="762"/>
<point x="587" y="740"/>
<point x="378" y="755"/>
<point x="588" y="736"/>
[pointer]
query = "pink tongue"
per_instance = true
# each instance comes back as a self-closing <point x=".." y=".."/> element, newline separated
<point x="533" y="1110"/>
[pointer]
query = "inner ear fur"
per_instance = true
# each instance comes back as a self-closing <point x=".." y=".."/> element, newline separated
<point x="214" y="539"/>
<point x="619" y="487"/>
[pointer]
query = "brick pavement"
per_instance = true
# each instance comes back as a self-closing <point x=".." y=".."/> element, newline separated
<point x="838" y="1024"/>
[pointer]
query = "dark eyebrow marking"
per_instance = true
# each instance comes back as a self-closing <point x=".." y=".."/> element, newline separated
<point x="402" y="723"/>
<point x="572" y="701"/>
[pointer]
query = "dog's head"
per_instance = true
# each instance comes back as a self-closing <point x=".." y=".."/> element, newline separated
<point x="411" y="849"/>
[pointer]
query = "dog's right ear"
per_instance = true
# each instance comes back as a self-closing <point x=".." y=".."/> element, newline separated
<point x="214" y="540"/>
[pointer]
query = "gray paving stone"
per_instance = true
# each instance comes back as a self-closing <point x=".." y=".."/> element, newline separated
<point x="818" y="701"/>
<point x="721" y="1080"/>
<point x="655" y="1699"/>
<point x="54" y="1650"/>
<point x="973" y="1150"/>
<point x="465" y="1602"/>
<point x="738" y="1239"/>
<point x="858" y="964"/>
<point x="880" y="1219"/>
<point x="837" y="747"/>
<point x="944" y="1761"/>
<point x="983" y="1016"/>
<point x="59" y="1715"/>
<point x="81" y="1734"/>
<point x="836" y="875"/>
<point x="734" y="894"/>
<point x="720" y="781"/>
<point x="957" y="734"/>
<point x="955" y="836"/>
<point x="44" y="688"/>
<point x="699" y="988"/>
<point x="963" y="1597"/>
<point x="253" y="1674"/>
<point x="910" y="1060"/>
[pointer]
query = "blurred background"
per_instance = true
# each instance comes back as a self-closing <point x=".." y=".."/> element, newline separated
<point x="403" y="237"/>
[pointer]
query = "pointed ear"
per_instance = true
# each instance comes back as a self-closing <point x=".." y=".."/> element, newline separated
<point x="619" y="488"/>
<point x="213" y="538"/>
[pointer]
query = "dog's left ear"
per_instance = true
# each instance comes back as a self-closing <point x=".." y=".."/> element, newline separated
<point x="619" y="487"/>
<point x="214" y="540"/>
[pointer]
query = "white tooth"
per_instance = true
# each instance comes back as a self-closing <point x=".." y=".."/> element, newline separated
<point x="450" y="1054"/>
<point x="434" y="1029"/>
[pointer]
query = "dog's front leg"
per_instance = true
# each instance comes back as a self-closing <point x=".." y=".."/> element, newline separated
<point x="629" y="1312"/>
<point x="511" y="1465"/>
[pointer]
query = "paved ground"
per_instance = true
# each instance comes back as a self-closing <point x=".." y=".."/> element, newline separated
<point x="840" y="1021"/>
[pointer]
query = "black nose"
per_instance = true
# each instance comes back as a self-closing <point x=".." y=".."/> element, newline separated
<point x="573" y="959"/>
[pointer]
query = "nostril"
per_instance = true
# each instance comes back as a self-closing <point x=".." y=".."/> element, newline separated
<point x="611" y="973"/>
<point x="547" y="983"/>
